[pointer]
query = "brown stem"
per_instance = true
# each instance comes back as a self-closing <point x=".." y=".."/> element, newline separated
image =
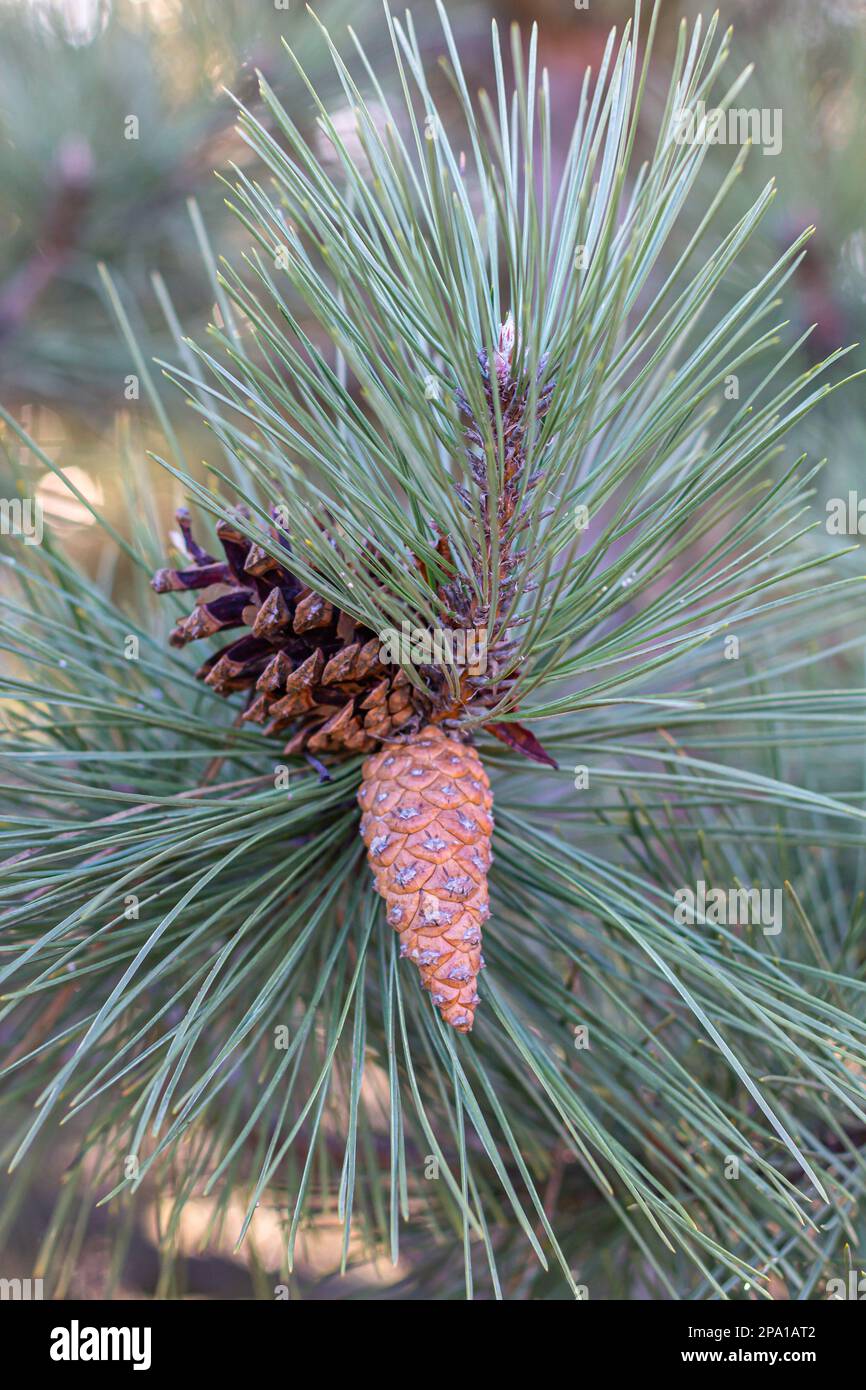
<point x="58" y="239"/>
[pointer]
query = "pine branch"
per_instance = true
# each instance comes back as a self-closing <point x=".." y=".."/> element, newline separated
<point x="198" y="978"/>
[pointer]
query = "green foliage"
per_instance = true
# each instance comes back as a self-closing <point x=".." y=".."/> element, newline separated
<point x="196" y="961"/>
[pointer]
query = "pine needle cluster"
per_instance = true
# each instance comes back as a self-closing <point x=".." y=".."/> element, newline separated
<point x="196" y="972"/>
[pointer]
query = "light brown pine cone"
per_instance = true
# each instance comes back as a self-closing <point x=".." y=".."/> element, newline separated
<point x="427" y="825"/>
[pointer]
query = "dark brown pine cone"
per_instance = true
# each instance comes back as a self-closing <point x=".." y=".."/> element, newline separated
<point x="309" y="667"/>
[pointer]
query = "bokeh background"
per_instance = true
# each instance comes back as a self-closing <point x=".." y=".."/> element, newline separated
<point x="114" y="115"/>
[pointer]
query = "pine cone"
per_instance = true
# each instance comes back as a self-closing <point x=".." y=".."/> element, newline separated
<point x="427" y="825"/>
<point x="309" y="668"/>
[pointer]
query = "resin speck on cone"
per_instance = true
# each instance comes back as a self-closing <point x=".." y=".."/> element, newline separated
<point x="427" y="825"/>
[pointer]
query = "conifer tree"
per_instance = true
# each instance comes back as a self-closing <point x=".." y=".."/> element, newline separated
<point x="503" y="408"/>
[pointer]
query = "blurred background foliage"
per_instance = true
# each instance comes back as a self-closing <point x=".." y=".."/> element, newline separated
<point x="114" y="115"/>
